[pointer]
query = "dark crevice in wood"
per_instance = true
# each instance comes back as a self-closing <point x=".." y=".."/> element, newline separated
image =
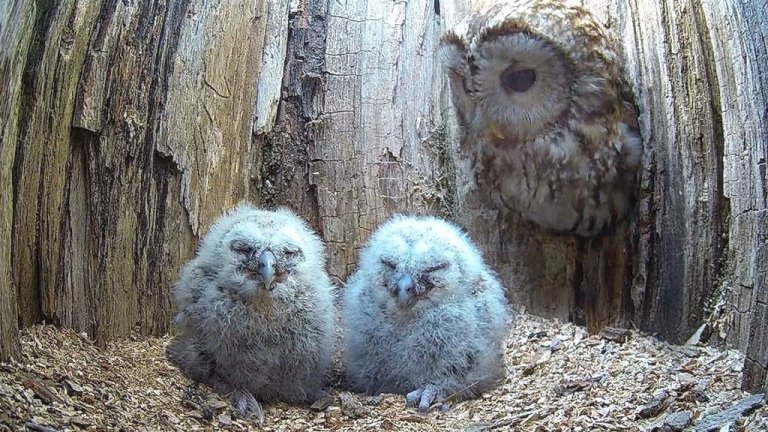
<point x="627" y="305"/>
<point x="651" y="282"/>
<point x="160" y="172"/>
<point x="77" y="221"/>
<point x="579" y="314"/>
<point x="720" y="211"/>
<point x="285" y="159"/>
<point x="269" y="163"/>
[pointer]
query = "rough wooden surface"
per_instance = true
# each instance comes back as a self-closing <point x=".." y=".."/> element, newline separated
<point x="136" y="132"/>
<point x="371" y="155"/>
<point x="141" y="121"/>
<point x="16" y="22"/>
<point x="739" y="35"/>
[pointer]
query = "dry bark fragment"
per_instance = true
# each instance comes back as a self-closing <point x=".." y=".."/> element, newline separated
<point x="322" y="403"/>
<point x="615" y="334"/>
<point x="730" y="415"/>
<point x="351" y="406"/>
<point x="39" y="428"/>
<point x="536" y="361"/>
<point x="677" y="421"/>
<point x="567" y="387"/>
<point x="656" y="406"/>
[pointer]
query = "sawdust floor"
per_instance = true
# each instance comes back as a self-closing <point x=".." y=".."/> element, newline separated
<point x="559" y="379"/>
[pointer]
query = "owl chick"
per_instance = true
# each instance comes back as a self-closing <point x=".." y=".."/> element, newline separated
<point x="551" y="122"/>
<point x="423" y="315"/>
<point x="255" y="310"/>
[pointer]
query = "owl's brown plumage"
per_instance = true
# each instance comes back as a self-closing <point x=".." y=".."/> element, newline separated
<point x="550" y="120"/>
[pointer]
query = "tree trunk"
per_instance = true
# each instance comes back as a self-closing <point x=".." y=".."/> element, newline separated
<point x="16" y="21"/>
<point x="135" y="124"/>
<point x="136" y="133"/>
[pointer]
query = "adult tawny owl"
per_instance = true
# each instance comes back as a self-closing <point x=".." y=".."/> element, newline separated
<point x="256" y="311"/>
<point x="551" y="122"/>
<point x="423" y="315"/>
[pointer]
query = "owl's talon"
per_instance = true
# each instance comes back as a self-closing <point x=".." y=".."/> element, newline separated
<point x="412" y="398"/>
<point x="423" y="397"/>
<point x="246" y="406"/>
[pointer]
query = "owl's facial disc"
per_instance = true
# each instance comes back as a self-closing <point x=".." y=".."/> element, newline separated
<point x="411" y="286"/>
<point x="521" y="82"/>
<point x="260" y="264"/>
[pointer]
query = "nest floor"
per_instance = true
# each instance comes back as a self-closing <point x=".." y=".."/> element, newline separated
<point x="559" y="379"/>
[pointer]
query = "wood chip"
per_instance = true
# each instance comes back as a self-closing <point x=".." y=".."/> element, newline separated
<point x="555" y="344"/>
<point x="351" y="406"/>
<point x="374" y="400"/>
<point x="333" y="412"/>
<point x="656" y="406"/>
<point x="38" y="427"/>
<point x="216" y="405"/>
<point x="568" y="387"/>
<point x="322" y="403"/>
<point x="42" y="391"/>
<point x="730" y="415"/>
<point x="615" y="334"/>
<point x="73" y="388"/>
<point x="701" y="335"/>
<point x="537" y="360"/>
<point x="415" y="419"/>
<point x="224" y="419"/>
<point x="129" y="385"/>
<point x="677" y="421"/>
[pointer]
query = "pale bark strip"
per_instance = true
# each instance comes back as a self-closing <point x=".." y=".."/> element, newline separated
<point x="206" y="123"/>
<point x="270" y="77"/>
<point x="378" y="134"/>
<point x="16" y="24"/>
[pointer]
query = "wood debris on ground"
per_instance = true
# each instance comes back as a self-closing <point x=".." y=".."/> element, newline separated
<point x="559" y="379"/>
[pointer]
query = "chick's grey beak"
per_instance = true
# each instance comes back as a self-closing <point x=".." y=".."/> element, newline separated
<point x="267" y="268"/>
<point x="404" y="288"/>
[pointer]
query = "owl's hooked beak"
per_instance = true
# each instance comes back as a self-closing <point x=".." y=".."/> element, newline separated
<point x="266" y="268"/>
<point x="405" y="287"/>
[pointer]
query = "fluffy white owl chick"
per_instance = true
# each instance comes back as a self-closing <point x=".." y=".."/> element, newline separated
<point x="539" y="89"/>
<point x="255" y="309"/>
<point x="423" y="315"/>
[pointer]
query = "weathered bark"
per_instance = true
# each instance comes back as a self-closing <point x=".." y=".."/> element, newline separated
<point x="16" y="22"/>
<point x="140" y="122"/>
<point x="135" y="134"/>
<point x="739" y="36"/>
